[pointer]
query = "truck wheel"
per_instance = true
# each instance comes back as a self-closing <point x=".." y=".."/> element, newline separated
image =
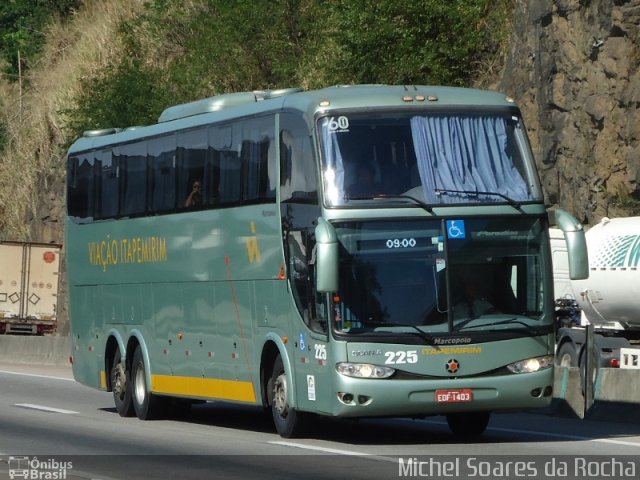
<point x="567" y="355"/>
<point x="121" y="386"/>
<point x="289" y="423"/>
<point x="146" y="405"/>
<point x="468" y="423"/>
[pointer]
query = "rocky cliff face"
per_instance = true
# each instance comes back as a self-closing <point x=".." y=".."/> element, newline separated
<point x="573" y="68"/>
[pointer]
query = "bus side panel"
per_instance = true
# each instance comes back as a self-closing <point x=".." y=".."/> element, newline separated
<point x="87" y="339"/>
<point x="189" y="333"/>
<point x="166" y="318"/>
<point x="313" y="370"/>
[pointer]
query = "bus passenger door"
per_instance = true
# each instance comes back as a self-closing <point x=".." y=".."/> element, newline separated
<point x="310" y="324"/>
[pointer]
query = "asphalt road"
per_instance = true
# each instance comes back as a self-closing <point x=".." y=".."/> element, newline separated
<point x="45" y="415"/>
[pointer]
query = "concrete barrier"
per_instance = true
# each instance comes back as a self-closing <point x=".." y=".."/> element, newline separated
<point x="568" y="400"/>
<point x="34" y="350"/>
<point x="616" y="395"/>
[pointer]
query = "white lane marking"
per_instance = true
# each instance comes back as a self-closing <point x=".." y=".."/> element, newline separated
<point x="335" y="451"/>
<point x="509" y="430"/>
<point x="37" y="376"/>
<point x="44" y="408"/>
<point x="565" y="436"/>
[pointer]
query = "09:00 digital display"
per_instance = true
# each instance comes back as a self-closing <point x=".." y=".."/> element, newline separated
<point x="401" y="243"/>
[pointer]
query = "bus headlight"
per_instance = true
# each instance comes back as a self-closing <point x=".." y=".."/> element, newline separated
<point x="531" y="364"/>
<point x="364" y="370"/>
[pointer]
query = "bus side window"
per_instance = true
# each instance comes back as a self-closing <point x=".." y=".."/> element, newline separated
<point x="191" y="154"/>
<point x="301" y="274"/>
<point x="162" y="163"/>
<point x="133" y="178"/>
<point x="108" y="185"/>
<point x="80" y="187"/>
<point x="298" y="176"/>
<point x="225" y="166"/>
<point x="257" y="142"/>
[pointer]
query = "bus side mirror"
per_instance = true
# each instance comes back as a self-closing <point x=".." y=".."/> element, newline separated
<point x="576" y="245"/>
<point x="326" y="257"/>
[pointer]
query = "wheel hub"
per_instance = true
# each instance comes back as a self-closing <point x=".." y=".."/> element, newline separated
<point x="280" y="395"/>
<point x="119" y="381"/>
<point x="139" y="385"/>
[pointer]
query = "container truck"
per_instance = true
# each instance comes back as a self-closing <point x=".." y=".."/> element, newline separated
<point x="609" y="299"/>
<point x="29" y="280"/>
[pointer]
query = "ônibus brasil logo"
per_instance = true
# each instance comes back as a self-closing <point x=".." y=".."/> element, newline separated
<point x="34" y="469"/>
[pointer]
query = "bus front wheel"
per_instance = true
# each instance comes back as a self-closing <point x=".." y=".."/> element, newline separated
<point x="289" y="423"/>
<point x="121" y="387"/>
<point x="468" y="423"/>
<point x="146" y="405"/>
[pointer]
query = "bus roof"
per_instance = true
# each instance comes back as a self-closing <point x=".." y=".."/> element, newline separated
<point x="234" y="105"/>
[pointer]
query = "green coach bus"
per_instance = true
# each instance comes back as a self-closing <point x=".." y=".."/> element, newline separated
<point x="354" y="251"/>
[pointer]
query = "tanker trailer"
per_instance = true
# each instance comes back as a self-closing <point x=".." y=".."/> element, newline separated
<point x="609" y="299"/>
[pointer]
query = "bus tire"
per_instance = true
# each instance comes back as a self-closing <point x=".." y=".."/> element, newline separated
<point x="146" y="405"/>
<point x="121" y="386"/>
<point x="289" y="423"/>
<point x="468" y="423"/>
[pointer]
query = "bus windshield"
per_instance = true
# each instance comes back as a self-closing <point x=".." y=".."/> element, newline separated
<point x="441" y="276"/>
<point x="435" y="158"/>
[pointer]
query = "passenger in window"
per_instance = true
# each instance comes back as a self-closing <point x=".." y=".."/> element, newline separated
<point x="365" y="185"/>
<point x="195" y="197"/>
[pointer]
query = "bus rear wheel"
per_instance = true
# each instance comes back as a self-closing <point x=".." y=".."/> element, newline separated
<point x="146" y="405"/>
<point x="289" y="423"/>
<point x="121" y="387"/>
<point x="468" y="423"/>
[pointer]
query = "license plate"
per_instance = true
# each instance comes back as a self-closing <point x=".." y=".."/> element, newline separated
<point x="454" y="396"/>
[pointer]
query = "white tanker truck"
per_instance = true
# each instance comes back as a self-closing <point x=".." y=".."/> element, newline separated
<point x="609" y="299"/>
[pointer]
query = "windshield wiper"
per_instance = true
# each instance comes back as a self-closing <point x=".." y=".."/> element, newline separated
<point x="415" y="200"/>
<point x="417" y="331"/>
<point x="515" y="204"/>
<point x="529" y="328"/>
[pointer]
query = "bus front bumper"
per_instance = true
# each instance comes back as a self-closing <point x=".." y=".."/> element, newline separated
<point x="357" y="397"/>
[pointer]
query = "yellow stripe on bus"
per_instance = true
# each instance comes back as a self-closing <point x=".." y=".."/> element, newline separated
<point x="204" y="388"/>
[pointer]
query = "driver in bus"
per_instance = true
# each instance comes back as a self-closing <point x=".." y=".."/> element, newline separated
<point x="365" y="185"/>
<point x="473" y="304"/>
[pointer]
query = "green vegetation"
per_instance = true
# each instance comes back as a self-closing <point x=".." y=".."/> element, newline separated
<point x="21" y="29"/>
<point x="178" y="51"/>
<point x="626" y="201"/>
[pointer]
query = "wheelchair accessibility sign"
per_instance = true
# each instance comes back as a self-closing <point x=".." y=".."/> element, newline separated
<point x="456" y="230"/>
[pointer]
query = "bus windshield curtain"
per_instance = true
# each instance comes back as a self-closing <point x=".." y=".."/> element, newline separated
<point x="334" y="174"/>
<point x="465" y="153"/>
